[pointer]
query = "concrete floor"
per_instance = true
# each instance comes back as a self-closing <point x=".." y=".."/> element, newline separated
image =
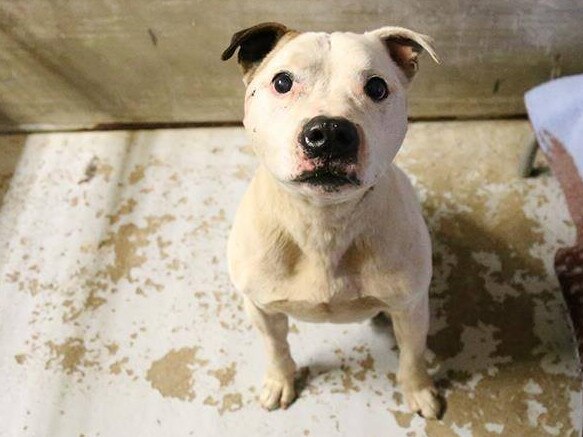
<point x="117" y="317"/>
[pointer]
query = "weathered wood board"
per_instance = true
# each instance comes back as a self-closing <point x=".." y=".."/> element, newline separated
<point x="79" y="64"/>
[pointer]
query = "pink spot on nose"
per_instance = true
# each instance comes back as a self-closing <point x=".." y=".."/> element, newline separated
<point x="304" y="164"/>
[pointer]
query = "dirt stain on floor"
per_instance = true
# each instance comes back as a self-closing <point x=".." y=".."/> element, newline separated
<point x="127" y="242"/>
<point x="231" y="402"/>
<point x="173" y="374"/>
<point x="225" y="375"/>
<point x="70" y="355"/>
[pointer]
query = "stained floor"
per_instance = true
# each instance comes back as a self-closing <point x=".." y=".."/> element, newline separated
<point x="116" y="311"/>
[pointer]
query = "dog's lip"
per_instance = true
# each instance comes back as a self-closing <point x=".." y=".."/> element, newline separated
<point x="326" y="177"/>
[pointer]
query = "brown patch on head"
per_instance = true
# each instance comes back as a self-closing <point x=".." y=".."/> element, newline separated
<point x="255" y="44"/>
<point x="405" y="53"/>
<point x="404" y="47"/>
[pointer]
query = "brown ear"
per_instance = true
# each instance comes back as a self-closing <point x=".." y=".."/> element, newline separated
<point x="404" y="47"/>
<point x="254" y="44"/>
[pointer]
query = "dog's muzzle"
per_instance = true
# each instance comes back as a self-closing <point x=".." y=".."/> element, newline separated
<point x="332" y="145"/>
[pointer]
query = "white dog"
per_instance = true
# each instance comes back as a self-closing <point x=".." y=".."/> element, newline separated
<point x="330" y="230"/>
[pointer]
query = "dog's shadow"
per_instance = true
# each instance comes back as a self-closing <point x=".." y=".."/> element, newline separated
<point x="460" y="298"/>
<point x="381" y="325"/>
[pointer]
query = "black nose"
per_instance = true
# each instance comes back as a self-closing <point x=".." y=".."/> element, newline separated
<point x="329" y="138"/>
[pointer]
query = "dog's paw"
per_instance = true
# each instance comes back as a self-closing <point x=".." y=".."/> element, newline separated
<point x="425" y="402"/>
<point x="276" y="393"/>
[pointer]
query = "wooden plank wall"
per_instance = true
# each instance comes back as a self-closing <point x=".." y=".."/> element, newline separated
<point x="84" y="63"/>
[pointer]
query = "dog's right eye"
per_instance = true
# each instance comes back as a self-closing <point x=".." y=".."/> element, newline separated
<point x="282" y="82"/>
<point x="376" y="88"/>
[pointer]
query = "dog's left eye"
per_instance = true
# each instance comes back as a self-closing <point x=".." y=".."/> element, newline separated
<point x="376" y="88"/>
<point x="282" y="82"/>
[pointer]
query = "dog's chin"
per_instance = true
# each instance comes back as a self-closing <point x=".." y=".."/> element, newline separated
<point x="326" y="180"/>
<point x="324" y="186"/>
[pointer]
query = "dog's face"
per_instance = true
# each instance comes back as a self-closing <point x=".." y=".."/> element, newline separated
<point x="326" y="113"/>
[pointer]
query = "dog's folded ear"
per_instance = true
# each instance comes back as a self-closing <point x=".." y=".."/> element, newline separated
<point x="404" y="47"/>
<point x="254" y="43"/>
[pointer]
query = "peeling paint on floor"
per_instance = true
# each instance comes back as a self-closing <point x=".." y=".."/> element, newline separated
<point x="117" y="312"/>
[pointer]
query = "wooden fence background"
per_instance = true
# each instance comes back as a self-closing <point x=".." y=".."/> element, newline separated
<point x="68" y="64"/>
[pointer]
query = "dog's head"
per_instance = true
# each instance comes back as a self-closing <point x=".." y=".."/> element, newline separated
<point x="326" y="113"/>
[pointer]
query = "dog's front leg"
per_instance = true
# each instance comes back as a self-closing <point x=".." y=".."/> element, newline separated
<point x="411" y="327"/>
<point x="278" y="386"/>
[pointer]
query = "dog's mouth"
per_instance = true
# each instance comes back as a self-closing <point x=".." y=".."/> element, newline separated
<point x="327" y="178"/>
